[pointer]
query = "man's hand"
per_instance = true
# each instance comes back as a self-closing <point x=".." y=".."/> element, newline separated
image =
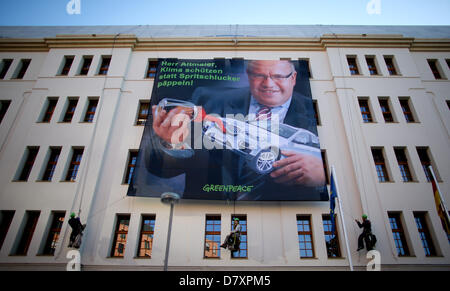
<point x="172" y="126"/>
<point x="299" y="169"/>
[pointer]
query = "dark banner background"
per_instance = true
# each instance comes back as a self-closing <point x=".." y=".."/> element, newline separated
<point x="155" y="173"/>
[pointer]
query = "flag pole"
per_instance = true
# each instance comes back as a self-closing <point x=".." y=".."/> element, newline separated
<point x="341" y="214"/>
<point x="439" y="191"/>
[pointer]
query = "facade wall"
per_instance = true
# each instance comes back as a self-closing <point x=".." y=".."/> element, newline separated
<point x="100" y="192"/>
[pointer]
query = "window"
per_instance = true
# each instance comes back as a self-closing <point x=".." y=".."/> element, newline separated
<point x="53" y="234"/>
<point x="144" y="107"/>
<point x="243" y="252"/>
<point x="106" y="60"/>
<point x="51" y="105"/>
<point x="403" y="164"/>
<point x="386" y="110"/>
<point x="6" y="64"/>
<point x="4" y="105"/>
<point x="305" y="241"/>
<point x="70" y="111"/>
<point x="86" y="64"/>
<point x="90" y="113"/>
<point x="120" y="236"/>
<point x="448" y="104"/>
<point x="316" y="112"/>
<point x="399" y="234"/>
<point x="380" y="165"/>
<point x="424" y="234"/>
<point x="6" y="217"/>
<point x="371" y="65"/>
<point x="74" y="166"/>
<point x="22" y="69"/>
<point x="68" y="60"/>
<point x="389" y="60"/>
<point x="434" y="66"/>
<point x="31" y="219"/>
<point x="325" y="167"/>
<point x="212" y="236"/>
<point x="146" y="236"/>
<point x="152" y="66"/>
<point x="31" y="153"/>
<point x="132" y="158"/>
<point x="365" y="110"/>
<point x="352" y="65"/>
<point x="404" y="103"/>
<point x="332" y="241"/>
<point x="51" y="164"/>
<point x="448" y="62"/>
<point x="425" y="161"/>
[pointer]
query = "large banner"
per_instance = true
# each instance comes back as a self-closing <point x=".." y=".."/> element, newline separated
<point x="231" y="129"/>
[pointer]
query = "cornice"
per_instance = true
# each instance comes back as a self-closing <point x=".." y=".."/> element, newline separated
<point x="224" y="43"/>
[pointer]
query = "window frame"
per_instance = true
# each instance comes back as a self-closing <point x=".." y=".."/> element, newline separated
<point x="85" y="65"/>
<point x="400" y="240"/>
<point x="150" y="233"/>
<point x="150" y="72"/>
<point x="372" y="65"/>
<point x="104" y="65"/>
<point x="386" y="110"/>
<point x="392" y="67"/>
<point x="118" y="232"/>
<point x="67" y="65"/>
<point x="303" y="217"/>
<point x="57" y="221"/>
<point x="4" y="106"/>
<point x="423" y="229"/>
<point x="22" y="69"/>
<point x="51" y="104"/>
<point x="142" y="117"/>
<point x="129" y="172"/>
<point x="52" y="162"/>
<point x="403" y="164"/>
<point x="6" y="65"/>
<point x="31" y="153"/>
<point x="91" y="109"/>
<point x="216" y="231"/>
<point x="366" y="114"/>
<point x="244" y="236"/>
<point x="27" y="233"/>
<point x="328" y="233"/>
<point x="74" y="165"/>
<point x="353" y="67"/>
<point x="381" y="167"/>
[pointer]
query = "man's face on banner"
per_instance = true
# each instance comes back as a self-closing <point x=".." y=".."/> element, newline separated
<point x="271" y="82"/>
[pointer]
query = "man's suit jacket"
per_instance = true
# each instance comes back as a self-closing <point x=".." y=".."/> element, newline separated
<point x="222" y="167"/>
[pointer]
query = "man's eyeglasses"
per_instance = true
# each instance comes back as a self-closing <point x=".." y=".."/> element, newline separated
<point x="277" y="77"/>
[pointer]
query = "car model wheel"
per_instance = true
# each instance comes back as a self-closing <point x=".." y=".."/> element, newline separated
<point x="262" y="163"/>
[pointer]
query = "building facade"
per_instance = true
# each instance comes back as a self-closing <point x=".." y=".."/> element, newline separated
<point x="74" y="101"/>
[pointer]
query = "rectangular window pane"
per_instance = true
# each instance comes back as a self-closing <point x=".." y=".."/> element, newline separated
<point x="305" y="236"/>
<point x="371" y="65"/>
<point x="90" y="113"/>
<point x="390" y="65"/>
<point x="380" y="165"/>
<point x="74" y="166"/>
<point x="425" y="161"/>
<point x="365" y="110"/>
<point x="6" y="217"/>
<point x="4" y="105"/>
<point x="146" y="236"/>
<point x="398" y="234"/>
<point x="242" y="253"/>
<point x="120" y="236"/>
<point x="54" y="233"/>
<point x="23" y="66"/>
<point x="332" y="241"/>
<point x="434" y="69"/>
<point x="404" y="103"/>
<point x="386" y="110"/>
<point x="51" y="105"/>
<point x="51" y="164"/>
<point x="6" y="64"/>
<point x="212" y="236"/>
<point x="151" y="68"/>
<point x="104" y="67"/>
<point x="68" y="60"/>
<point x="70" y="111"/>
<point x="31" y="153"/>
<point x="353" y="67"/>
<point x="31" y="219"/>
<point x="403" y="164"/>
<point x="144" y="107"/>
<point x="87" y="60"/>
<point x="131" y="165"/>
<point x="424" y="234"/>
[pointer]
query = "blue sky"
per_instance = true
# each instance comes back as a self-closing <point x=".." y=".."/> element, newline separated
<point x="177" y="12"/>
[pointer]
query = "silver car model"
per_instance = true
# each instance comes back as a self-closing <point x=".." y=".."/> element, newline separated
<point x="260" y="142"/>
